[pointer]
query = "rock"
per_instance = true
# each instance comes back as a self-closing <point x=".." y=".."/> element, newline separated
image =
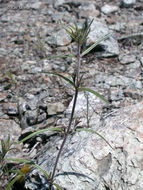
<point x="141" y="61"/>
<point x="88" y="9"/>
<point x="55" y="108"/>
<point x="81" y="105"/>
<point x="31" y="117"/>
<point x="99" y="30"/>
<point x="41" y="117"/>
<point x="35" y="70"/>
<point x="126" y="59"/>
<point x="116" y="94"/>
<point x="58" y="2"/>
<point x="35" y="5"/>
<point x="11" y="128"/>
<point x="135" y="65"/>
<point x="28" y="112"/>
<point x="86" y="115"/>
<point x="10" y="108"/>
<point x="87" y="162"/>
<point x="3" y="96"/>
<point x="127" y="3"/>
<point x="120" y="80"/>
<point x="107" y="9"/>
<point x="133" y="94"/>
<point x="60" y="38"/>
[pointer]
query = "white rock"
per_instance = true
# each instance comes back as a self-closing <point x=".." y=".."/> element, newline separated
<point x="36" y="5"/>
<point x="107" y="9"/>
<point x="54" y="108"/>
<point x="58" y="2"/>
<point x="99" y="30"/>
<point x="60" y="38"/>
<point x="87" y="162"/>
<point x="127" y="3"/>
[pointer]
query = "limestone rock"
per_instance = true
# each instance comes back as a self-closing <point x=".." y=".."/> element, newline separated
<point x="10" y="108"/>
<point x="107" y="9"/>
<point x="127" y="3"/>
<point x="55" y="108"/>
<point x="60" y="38"/>
<point x="87" y="162"/>
<point x="9" y="127"/>
<point x="3" y="96"/>
<point x="36" y="5"/>
<point x="99" y="30"/>
<point x="58" y="2"/>
<point x="126" y="59"/>
<point x="88" y="9"/>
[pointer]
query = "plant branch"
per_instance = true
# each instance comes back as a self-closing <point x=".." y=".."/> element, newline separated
<point x="77" y="83"/>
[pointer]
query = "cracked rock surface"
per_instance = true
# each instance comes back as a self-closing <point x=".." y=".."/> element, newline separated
<point x="87" y="162"/>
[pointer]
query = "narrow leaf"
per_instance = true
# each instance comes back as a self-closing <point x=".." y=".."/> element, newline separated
<point x="95" y="44"/>
<point x="57" y="186"/>
<point x="93" y="92"/>
<point x="39" y="132"/>
<point x="63" y="77"/>
<point x="43" y="171"/>
<point x="28" y="162"/>
<point x="20" y="160"/>
<point x="86" y="32"/>
<point x="94" y="132"/>
<point x="12" y="182"/>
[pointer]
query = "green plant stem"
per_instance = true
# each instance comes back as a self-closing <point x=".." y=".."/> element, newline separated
<point x="77" y="83"/>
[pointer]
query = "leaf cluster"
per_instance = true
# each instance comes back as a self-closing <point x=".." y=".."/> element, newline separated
<point x="79" y="35"/>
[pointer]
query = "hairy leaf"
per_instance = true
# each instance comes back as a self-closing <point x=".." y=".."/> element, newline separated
<point x="12" y="182"/>
<point x="63" y="77"/>
<point x="40" y="132"/>
<point x="95" y="44"/>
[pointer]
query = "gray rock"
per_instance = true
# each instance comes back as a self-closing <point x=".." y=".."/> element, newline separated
<point x="115" y="81"/>
<point x="87" y="115"/>
<point x="126" y="59"/>
<point x="116" y="94"/>
<point x="31" y="117"/>
<point x="60" y="38"/>
<point x="54" y="108"/>
<point x="35" y="70"/>
<point x="134" y="65"/>
<point x="3" y="51"/>
<point x="99" y="30"/>
<point x="58" y="2"/>
<point x="87" y="162"/>
<point x="35" y="5"/>
<point x="11" y="128"/>
<point x="10" y="108"/>
<point x="47" y="66"/>
<point x="2" y="96"/>
<point x="127" y="3"/>
<point x="107" y="9"/>
<point x="133" y="94"/>
<point x="87" y="9"/>
<point x="141" y="61"/>
<point x="95" y="104"/>
<point x="41" y="118"/>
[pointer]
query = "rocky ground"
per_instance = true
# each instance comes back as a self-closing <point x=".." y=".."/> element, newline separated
<point x="31" y="33"/>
